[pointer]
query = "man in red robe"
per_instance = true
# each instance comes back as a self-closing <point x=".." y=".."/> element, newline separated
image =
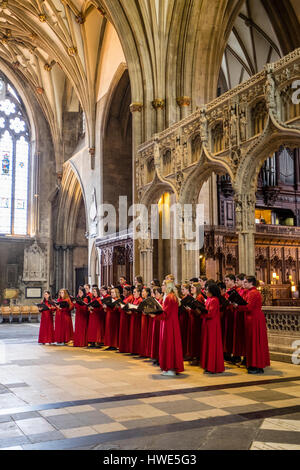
<point x="257" y="348"/>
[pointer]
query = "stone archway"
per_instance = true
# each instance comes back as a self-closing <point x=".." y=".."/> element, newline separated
<point x="71" y="246"/>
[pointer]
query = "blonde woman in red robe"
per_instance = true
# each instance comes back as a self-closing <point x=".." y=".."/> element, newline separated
<point x="63" y="319"/>
<point x="170" y="347"/>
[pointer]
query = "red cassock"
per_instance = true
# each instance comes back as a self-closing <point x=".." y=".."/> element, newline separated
<point x="112" y="325"/>
<point x="135" y="329"/>
<point x="239" y="338"/>
<point x="194" y="332"/>
<point x="257" y="348"/>
<point x="124" y="330"/>
<point x="156" y="325"/>
<point x="96" y="326"/>
<point x="170" y="347"/>
<point x="63" y="323"/>
<point x="150" y="336"/>
<point x="227" y="325"/>
<point x="81" y="325"/>
<point x="46" y="333"/>
<point x="183" y="316"/>
<point x="211" y="347"/>
<point x="144" y="335"/>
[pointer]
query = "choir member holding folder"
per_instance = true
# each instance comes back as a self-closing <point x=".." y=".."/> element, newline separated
<point x="154" y="353"/>
<point x="135" y="323"/>
<point x="47" y="308"/>
<point x="81" y="319"/>
<point x="257" y="349"/>
<point x="95" y="333"/>
<point x="211" y="346"/>
<point x="184" y="317"/>
<point x="125" y="320"/>
<point x="63" y="320"/>
<point x="228" y="318"/>
<point x="239" y="338"/>
<point x="194" y="325"/>
<point x="146" y="293"/>
<point x="112" y="308"/>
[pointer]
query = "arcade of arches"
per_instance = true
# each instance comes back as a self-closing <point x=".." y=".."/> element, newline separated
<point x="165" y="102"/>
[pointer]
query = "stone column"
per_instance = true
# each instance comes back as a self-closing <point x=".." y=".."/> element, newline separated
<point x="190" y="264"/>
<point x="64" y="267"/>
<point x="146" y="260"/>
<point x="184" y="102"/>
<point x="246" y="228"/>
<point x="137" y="138"/>
<point x="58" y="267"/>
<point x="159" y="105"/>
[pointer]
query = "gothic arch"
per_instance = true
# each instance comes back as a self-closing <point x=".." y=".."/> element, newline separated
<point x="155" y="191"/>
<point x="70" y="199"/>
<point x="248" y="171"/>
<point x="198" y="176"/>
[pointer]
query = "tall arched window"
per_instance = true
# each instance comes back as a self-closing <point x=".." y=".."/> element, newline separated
<point x="14" y="161"/>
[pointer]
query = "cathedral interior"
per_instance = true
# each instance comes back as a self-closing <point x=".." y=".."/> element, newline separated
<point x="162" y="102"/>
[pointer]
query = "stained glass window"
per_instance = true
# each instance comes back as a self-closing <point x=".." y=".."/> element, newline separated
<point x="14" y="162"/>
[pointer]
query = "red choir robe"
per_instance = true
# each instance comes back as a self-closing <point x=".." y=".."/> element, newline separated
<point x="239" y="338"/>
<point x="90" y="296"/>
<point x="194" y="332"/>
<point x="96" y="326"/>
<point x="81" y="325"/>
<point x="257" y="348"/>
<point x="183" y="316"/>
<point x="149" y="336"/>
<point x="227" y="325"/>
<point x="170" y="347"/>
<point x="144" y="335"/>
<point x="135" y="329"/>
<point x="46" y="333"/>
<point x="156" y="324"/>
<point x="211" y="346"/>
<point x="124" y="330"/>
<point x="63" y="323"/>
<point x="112" y="325"/>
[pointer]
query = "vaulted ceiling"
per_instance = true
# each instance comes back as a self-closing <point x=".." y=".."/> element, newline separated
<point x="264" y="31"/>
<point x="173" y="49"/>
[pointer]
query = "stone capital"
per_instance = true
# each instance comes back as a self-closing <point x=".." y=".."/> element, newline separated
<point x="159" y="103"/>
<point x="72" y="50"/>
<point x="136" y="107"/>
<point x="183" y="101"/>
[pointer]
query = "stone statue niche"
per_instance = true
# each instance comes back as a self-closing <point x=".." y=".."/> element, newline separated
<point x="35" y="264"/>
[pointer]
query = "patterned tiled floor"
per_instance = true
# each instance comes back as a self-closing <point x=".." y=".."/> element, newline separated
<point x="64" y="398"/>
